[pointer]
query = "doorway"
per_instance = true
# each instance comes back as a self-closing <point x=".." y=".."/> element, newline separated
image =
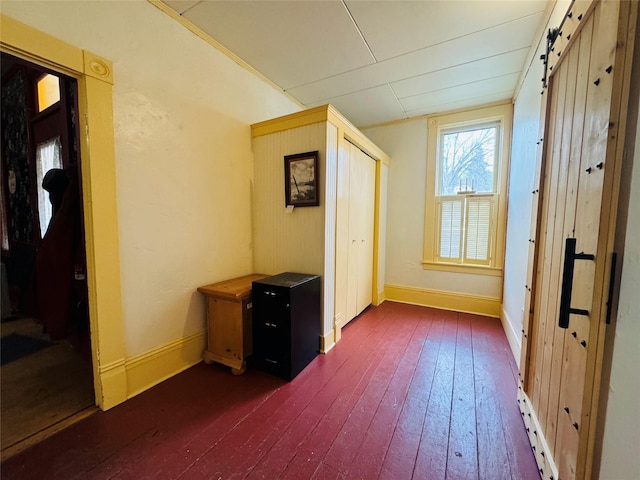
<point x="46" y="367"/>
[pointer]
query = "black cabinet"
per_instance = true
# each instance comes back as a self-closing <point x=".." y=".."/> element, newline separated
<point x="286" y="323"/>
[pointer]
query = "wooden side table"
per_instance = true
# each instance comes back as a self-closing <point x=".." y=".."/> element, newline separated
<point x="230" y="330"/>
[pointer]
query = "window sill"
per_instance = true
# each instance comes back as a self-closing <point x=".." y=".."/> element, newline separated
<point x="457" y="268"/>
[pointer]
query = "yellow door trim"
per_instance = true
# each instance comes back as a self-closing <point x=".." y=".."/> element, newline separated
<point x="95" y="80"/>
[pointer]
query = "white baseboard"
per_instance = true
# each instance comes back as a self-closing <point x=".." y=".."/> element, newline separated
<point x="514" y="338"/>
<point x="537" y="440"/>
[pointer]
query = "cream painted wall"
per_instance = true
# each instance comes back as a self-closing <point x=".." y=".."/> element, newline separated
<point x="406" y="144"/>
<point x="621" y="437"/>
<point x="524" y="155"/>
<point x="382" y="246"/>
<point x="184" y="165"/>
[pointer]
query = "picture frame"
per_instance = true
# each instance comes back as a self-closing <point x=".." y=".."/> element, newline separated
<point x="301" y="180"/>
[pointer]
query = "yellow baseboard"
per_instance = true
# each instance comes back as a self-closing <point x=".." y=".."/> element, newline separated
<point x="150" y="368"/>
<point x="113" y="384"/>
<point x="459" y="302"/>
<point x="379" y="299"/>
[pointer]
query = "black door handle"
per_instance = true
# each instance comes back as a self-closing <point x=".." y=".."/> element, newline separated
<point x="570" y="256"/>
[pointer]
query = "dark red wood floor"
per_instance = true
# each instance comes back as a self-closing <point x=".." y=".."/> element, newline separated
<point x="409" y="392"/>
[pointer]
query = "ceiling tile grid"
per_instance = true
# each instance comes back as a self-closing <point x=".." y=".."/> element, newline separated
<point x="378" y="61"/>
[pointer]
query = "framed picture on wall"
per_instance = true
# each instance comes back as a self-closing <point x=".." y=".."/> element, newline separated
<point x="301" y="179"/>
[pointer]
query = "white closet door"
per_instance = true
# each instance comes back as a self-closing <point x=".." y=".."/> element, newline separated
<point x="366" y="170"/>
<point x="362" y="174"/>
<point x="354" y="232"/>
<point x="355" y="220"/>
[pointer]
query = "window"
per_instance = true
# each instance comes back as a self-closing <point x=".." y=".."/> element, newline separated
<point x="466" y="183"/>
<point x="48" y="156"/>
<point x="48" y="91"/>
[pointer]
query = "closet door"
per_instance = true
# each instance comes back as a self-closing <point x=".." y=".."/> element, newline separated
<point x="354" y="233"/>
<point x="364" y="168"/>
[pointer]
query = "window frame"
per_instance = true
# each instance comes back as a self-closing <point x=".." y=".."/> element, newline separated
<point x="436" y="125"/>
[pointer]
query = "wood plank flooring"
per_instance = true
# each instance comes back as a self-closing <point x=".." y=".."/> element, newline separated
<point x="42" y="391"/>
<point x="409" y="392"/>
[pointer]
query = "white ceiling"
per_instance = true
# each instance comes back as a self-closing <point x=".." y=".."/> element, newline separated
<point x="378" y="61"/>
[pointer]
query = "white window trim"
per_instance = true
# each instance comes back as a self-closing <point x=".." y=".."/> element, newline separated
<point x="504" y="114"/>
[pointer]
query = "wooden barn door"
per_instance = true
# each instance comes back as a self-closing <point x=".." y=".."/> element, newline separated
<point x="570" y="268"/>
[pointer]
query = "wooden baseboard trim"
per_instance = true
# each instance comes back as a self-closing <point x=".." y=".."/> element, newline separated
<point x="149" y="369"/>
<point x="459" y="302"/>
<point x="113" y="383"/>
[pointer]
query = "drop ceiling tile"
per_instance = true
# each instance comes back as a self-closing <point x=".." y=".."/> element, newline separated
<point x="461" y="92"/>
<point x="511" y="62"/>
<point x="369" y="107"/>
<point x="487" y="43"/>
<point x="291" y="43"/>
<point x="441" y="107"/>
<point x="180" y="6"/>
<point x="394" y="28"/>
<point x="426" y="56"/>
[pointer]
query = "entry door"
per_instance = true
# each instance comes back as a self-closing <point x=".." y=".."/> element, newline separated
<point x="576" y="221"/>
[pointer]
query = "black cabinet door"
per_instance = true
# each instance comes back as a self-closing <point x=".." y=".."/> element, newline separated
<point x="272" y="325"/>
<point x="286" y="323"/>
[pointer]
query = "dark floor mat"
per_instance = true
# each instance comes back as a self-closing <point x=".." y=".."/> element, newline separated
<point x="15" y="346"/>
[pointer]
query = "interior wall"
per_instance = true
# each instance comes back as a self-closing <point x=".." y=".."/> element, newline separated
<point x="184" y="165"/>
<point x="406" y="144"/>
<point x="292" y="241"/>
<point x="287" y="240"/>
<point x="621" y="438"/>
<point x="524" y="159"/>
<point x="382" y="239"/>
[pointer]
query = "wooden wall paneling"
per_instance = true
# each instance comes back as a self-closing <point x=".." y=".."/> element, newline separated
<point x="585" y="229"/>
<point x="571" y="25"/>
<point x="544" y="324"/>
<point x="567" y="440"/>
<point x="560" y="233"/>
<point x="577" y="67"/>
<point x="536" y="235"/>
<point x="554" y="224"/>
<point x="286" y="241"/>
<point x="578" y="13"/>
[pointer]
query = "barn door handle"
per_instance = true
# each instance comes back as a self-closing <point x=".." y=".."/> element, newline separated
<point x="570" y="256"/>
